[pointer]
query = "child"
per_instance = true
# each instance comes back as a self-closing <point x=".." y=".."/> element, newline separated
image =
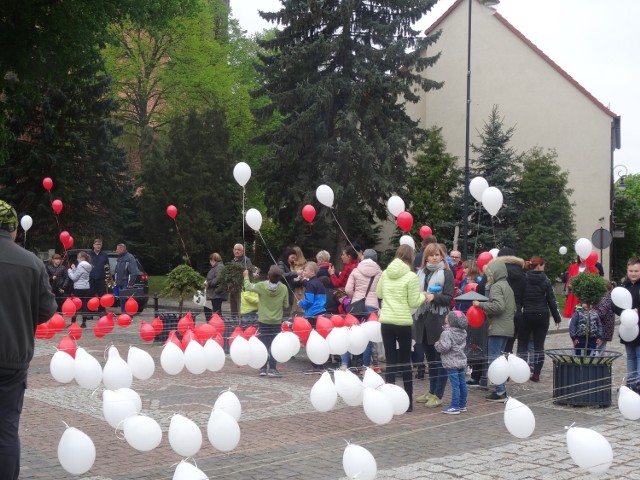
<point x="632" y="348"/>
<point x="274" y="298"/>
<point x="604" y="309"/>
<point x="313" y="303"/>
<point x="451" y="346"/>
<point x="585" y="336"/>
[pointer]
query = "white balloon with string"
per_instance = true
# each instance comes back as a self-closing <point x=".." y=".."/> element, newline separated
<point x="254" y="218"/>
<point x="242" y="173"/>
<point x="26" y="222"/>
<point x="395" y="204"/>
<point x="492" y="200"/>
<point x="589" y="449"/>
<point x="583" y="247"/>
<point x="324" y="194"/>
<point x="477" y="186"/>
<point x="519" y="419"/>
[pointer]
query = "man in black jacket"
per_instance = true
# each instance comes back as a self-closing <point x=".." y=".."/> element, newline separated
<point x="26" y="301"/>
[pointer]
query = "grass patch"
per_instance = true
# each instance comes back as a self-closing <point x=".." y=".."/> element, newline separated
<point x="157" y="284"/>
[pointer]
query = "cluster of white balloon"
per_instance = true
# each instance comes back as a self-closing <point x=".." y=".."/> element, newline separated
<point x="490" y="197"/>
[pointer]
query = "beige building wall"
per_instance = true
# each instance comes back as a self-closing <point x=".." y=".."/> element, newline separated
<point x="546" y="107"/>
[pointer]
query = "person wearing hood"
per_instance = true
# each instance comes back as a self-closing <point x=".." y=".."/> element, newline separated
<point x="80" y="276"/>
<point x="399" y="291"/>
<point x="517" y="279"/>
<point x="361" y="288"/>
<point x="274" y="299"/>
<point x="451" y="346"/>
<point x="500" y="310"/>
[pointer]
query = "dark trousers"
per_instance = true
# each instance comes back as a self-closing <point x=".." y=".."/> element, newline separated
<point x="398" y="360"/>
<point x="98" y="287"/>
<point x="536" y="325"/>
<point x="437" y="373"/>
<point x="13" y="383"/>
<point x="83" y="295"/>
<point x="266" y="333"/>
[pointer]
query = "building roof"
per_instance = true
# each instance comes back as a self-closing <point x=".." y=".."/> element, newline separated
<point x="533" y="47"/>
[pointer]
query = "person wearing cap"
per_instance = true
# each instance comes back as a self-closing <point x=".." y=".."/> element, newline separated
<point x="26" y="300"/>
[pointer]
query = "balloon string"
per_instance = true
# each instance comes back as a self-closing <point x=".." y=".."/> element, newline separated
<point x="475" y="245"/>
<point x="186" y="254"/>
<point x="340" y="226"/>
<point x="274" y="261"/>
<point x="244" y="242"/>
<point x="57" y="217"/>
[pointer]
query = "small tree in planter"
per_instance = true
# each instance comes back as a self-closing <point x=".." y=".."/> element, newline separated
<point x="182" y="282"/>
<point x="589" y="288"/>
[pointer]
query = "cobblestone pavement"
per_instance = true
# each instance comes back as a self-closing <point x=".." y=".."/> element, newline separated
<point x="283" y="437"/>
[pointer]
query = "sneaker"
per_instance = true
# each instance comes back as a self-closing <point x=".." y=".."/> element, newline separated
<point x="472" y="382"/>
<point x="274" y="373"/>
<point x="314" y="371"/>
<point x="263" y="372"/>
<point x="433" y="402"/>
<point x="377" y="369"/>
<point x="424" y="398"/>
<point x="451" y="411"/>
<point x="410" y="409"/>
<point x="497" y="397"/>
<point x="84" y="325"/>
<point x="344" y="367"/>
<point x="535" y="377"/>
<point x="463" y="409"/>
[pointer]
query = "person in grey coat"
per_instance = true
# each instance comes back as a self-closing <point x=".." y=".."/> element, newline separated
<point x="216" y="296"/>
<point x="451" y="346"/>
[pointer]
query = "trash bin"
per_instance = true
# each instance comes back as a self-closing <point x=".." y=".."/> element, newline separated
<point x="582" y="381"/>
<point x="169" y="322"/>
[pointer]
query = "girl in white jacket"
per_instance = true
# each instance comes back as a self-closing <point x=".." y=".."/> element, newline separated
<point x="81" y="289"/>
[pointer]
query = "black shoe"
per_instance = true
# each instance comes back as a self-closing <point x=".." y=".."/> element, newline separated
<point x="495" y="397"/>
<point x="410" y="409"/>
<point x="84" y="325"/>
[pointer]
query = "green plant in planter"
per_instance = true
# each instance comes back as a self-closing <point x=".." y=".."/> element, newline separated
<point x="589" y="288"/>
<point x="182" y="282"/>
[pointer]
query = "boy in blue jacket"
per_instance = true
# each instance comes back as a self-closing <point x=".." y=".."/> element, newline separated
<point x="314" y="301"/>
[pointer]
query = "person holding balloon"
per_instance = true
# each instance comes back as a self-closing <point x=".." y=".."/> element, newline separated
<point x="579" y="266"/>
<point x="58" y="278"/>
<point x="291" y="276"/>
<point x="126" y="272"/>
<point x="214" y="294"/>
<point x="80" y="275"/>
<point x="350" y="260"/>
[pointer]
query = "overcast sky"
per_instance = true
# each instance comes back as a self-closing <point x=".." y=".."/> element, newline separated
<point x="596" y="41"/>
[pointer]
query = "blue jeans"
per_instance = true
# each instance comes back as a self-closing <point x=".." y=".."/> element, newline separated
<point x="366" y="355"/>
<point x="437" y="373"/>
<point x="458" y="387"/>
<point x="496" y="346"/>
<point x="633" y="364"/>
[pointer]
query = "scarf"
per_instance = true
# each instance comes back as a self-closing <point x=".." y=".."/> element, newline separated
<point x="436" y="279"/>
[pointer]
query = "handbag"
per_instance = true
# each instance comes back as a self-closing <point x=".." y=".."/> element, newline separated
<point x="357" y="307"/>
<point x="200" y="298"/>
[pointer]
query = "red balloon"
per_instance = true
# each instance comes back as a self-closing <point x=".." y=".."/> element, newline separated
<point x="67" y="345"/>
<point x="57" y="323"/>
<point x="107" y="300"/>
<point x="373" y="317"/>
<point x="44" y="331"/>
<point x="470" y="287"/>
<point x="350" y="320"/>
<point x="185" y="323"/>
<point x="237" y="332"/>
<point x="425" y="230"/>
<point x="483" y="259"/>
<point x="285" y="327"/>
<point x="308" y="213"/>
<point x="69" y="243"/>
<point x="324" y="326"/>
<point x="77" y="301"/>
<point x="302" y="328"/>
<point x="131" y="306"/>
<point x="157" y="325"/>
<point x="249" y="332"/>
<point x="57" y="206"/>
<point x="123" y="320"/>
<point x="172" y="211"/>
<point x="216" y="322"/>
<point x="147" y="333"/>
<point x="592" y="259"/>
<point x="93" y="304"/>
<point x="74" y="332"/>
<point x="337" y="320"/>
<point x="204" y="332"/>
<point x="475" y="316"/>
<point x="405" y="221"/>
<point x="64" y="236"/>
<point x="69" y="308"/>
<point x="173" y="338"/>
<point x="102" y="327"/>
<point x="47" y="183"/>
<point x="187" y="338"/>
<point x="219" y="340"/>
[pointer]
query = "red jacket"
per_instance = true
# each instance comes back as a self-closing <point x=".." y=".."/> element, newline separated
<point x="341" y="281"/>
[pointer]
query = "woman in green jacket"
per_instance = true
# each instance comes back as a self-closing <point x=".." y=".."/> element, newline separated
<point x="400" y="293"/>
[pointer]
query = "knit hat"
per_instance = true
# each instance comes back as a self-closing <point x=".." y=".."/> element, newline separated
<point x="457" y="319"/>
<point x="506" y="251"/>
<point x="8" y="217"/>
<point x="370" y="254"/>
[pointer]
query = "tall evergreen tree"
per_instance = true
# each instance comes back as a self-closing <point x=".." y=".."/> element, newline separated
<point x="545" y="214"/>
<point x="626" y="217"/>
<point x="340" y="73"/>
<point x="500" y="166"/>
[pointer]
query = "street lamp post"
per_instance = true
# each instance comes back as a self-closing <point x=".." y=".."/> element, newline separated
<point x="465" y="205"/>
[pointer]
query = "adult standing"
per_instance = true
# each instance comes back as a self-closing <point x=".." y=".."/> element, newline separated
<point x="234" y="297"/>
<point x="350" y="261"/>
<point x="579" y="266"/>
<point x="58" y="278"/>
<point x="458" y="268"/>
<point x="399" y="291"/>
<point x="216" y="296"/>
<point x="26" y="301"/>
<point x="97" y="280"/>
<point x="539" y="299"/>
<point x="517" y="279"/>
<point x="126" y="272"/>
<point x="291" y="276"/>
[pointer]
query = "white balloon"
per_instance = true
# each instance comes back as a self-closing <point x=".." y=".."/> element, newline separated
<point x="373" y="329"/>
<point x="589" y="449"/>
<point x="185" y="436"/>
<point x="186" y="471"/>
<point x="141" y="363"/>
<point x="562" y="250"/>
<point x="294" y="342"/>
<point x="498" y="371"/>
<point x="116" y="373"/>
<point x="76" y="451"/>
<point x="372" y="379"/>
<point x="518" y="418"/>
<point x="628" y="317"/>
<point x="358" y="463"/>
<point x="395" y="205"/>
<point x="194" y="358"/>
<point x="62" y="367"/>
<point x="142" y="433"/>
<point x="628" y="334"/>
<point x="88" y="372"/>
<point x="223" y="431"/>
<point x="116" y="407"/>
<point x="259" y="353"/>
<point x="629" y="403"/>
<point x="583" y="247"/>
<point x="242" y="173"/>
<point x="26" y="222"/>
<point x="133" y="396"/>
<point x="213" y="355"/>
<point x="358" y="339"/>
<point x="281" y="347"/>
<point x="254" y="218"/>
<point x="397" y="396"/>
<point x="477" y="186"/>
<point x="317" y="348"/>
<point x="172" y="359"/>
<point x="323" y="394"/>
<point x="338" y="340"/>
<point x="324" y="194"/>
<point x="230" y="403"/>
<point x="494" y="252"/>
<point x="408" y="240"/>
<point x="377" y="406"/>
<point x="621" y="298"/>
<point x="519" y="370"/>
<point x="240" y="351"/>
<point x="348" y="385"/>
<point x="492" y="200"/>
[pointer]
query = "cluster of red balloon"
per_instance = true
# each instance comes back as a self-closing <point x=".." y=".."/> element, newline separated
<point x="302" y="328"/>
<point x="214" y="329"/>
